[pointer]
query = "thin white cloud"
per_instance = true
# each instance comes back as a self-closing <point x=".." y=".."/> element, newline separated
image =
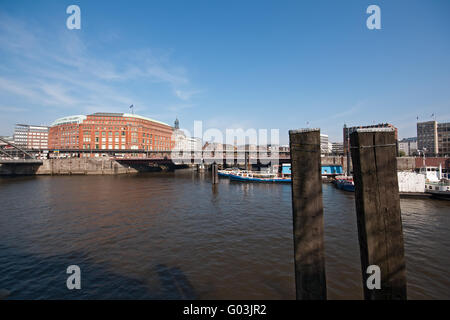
<point x="19" y="89"/>
<point x="186" y="95"/>
<point x="62" y="72"/>
<point x="14" y="34"/>
<point x="58" y="94"/>
<point x="13" y="109"/>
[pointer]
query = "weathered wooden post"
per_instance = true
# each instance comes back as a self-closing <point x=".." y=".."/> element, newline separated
<point x="378" y="213"/>
<point x="307" y="214"/>
<point x="214" y="174"/>
<point x="245" y="160"/>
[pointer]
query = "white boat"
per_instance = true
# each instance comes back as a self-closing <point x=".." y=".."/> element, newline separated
<point x="439" y="189"/>
<point x="254" y="176"/>
<point x="436" y="182"/>
<point x="227" y="172"/>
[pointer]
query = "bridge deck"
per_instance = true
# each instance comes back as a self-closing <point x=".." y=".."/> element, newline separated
<point x="21" y="161"/>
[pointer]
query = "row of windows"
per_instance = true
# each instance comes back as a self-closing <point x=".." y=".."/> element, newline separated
<point x="133" y="128"/>
<point x="110" y="133"/>
<point x="123" y="147"/>
<point x="123" y="133"/>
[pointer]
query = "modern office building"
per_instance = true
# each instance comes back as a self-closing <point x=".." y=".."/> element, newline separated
<point x="348" y="130"/>
<point x="110" y="131"/>
<point x="337" y="148"/>
<point x="427" y="137"/>
<point x="31" y="136"/>
<point x="433" y="138"/>
<point x="443" y="132"/>
<point x="408" y="146"/>
<point x="324" y="144"/>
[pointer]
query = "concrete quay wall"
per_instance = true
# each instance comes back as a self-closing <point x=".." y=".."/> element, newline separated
<point x="71" y="166"/>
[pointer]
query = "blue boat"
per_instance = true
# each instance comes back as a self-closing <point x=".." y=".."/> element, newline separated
<point x="326" y="170"/>
<point x="222" y="174"/>
<point x="345" y="184"/>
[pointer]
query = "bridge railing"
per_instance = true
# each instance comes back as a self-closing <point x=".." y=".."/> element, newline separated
<point x="7" y="151"/>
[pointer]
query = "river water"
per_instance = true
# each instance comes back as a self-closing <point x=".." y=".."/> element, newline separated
<point x="175" y="236"/>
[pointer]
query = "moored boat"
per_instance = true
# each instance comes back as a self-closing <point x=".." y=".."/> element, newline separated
<point x="226" y="172"/>
<point x="439" y="189"/>
<point x="345" y="183"/>
<point x="250" y="176"/>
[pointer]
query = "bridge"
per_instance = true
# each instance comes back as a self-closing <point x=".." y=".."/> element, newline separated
<point x="246" y="159"/>
<point x="13" y="154"/>
<point x="17" y="160"/>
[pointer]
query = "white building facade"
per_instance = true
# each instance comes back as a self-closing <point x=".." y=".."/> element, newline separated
<point x="31" y="137"/>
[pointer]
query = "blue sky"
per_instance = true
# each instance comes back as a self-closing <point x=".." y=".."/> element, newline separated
<point x="232" y="64"/>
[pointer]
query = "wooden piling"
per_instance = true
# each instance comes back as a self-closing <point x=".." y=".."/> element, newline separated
<point x="378" y="212"/>
<point x="214" y="174"/>
<point x="307" y="214"/>
<point x="246" y="160"/>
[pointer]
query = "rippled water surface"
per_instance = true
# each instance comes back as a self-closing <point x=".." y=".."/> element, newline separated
<point x="175" y="236"/>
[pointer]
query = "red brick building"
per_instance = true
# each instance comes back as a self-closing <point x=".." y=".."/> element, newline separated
<point x="110" y="131"/>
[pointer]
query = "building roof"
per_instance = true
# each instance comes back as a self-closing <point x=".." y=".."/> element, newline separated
<point x="129" y="115"/>
<point x="144" y="118"/>
<point x="77" y="119"/>
<point x="412" y="139"/>
<point x="31" y="125"/>
<point x="107" y="114"/>
<point x="70" y="119"/>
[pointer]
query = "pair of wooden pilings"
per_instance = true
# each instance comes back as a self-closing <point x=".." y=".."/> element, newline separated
<point x="377" y="211"/>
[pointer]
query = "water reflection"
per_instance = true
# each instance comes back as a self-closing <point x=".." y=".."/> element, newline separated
<point x="176" y="236"/>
